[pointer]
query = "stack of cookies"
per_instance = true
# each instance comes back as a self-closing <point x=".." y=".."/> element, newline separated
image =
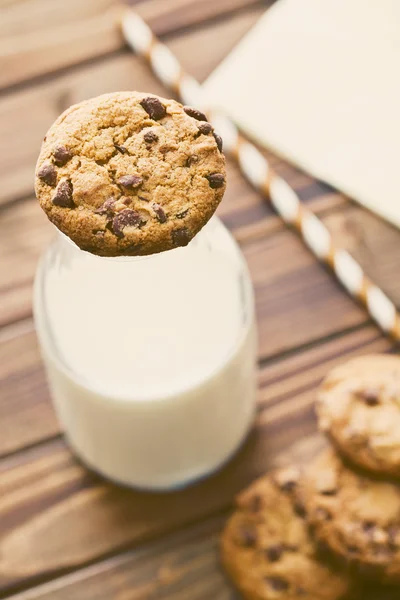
<point x="321" y="532"/>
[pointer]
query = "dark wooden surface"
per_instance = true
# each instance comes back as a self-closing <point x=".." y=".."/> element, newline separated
<point x="64" y="532"/>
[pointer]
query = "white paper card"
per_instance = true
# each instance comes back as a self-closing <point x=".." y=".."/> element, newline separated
<point x="318" y="81"/>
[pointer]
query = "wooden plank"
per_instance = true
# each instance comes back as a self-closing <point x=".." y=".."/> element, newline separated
<point x="296" y="300"/>
<point x="373" y="242"/>
<point x="49" y="502"/>
<point x="31" y="111"/>
<point x="26" y="415"/>
<point x="166" y="17"/>
<point x="24" y="233"/>
<point x="43" y="36"/>
<point x="183" y="565"/>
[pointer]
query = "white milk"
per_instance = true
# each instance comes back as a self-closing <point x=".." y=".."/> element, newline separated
<point x="151" y="361"/>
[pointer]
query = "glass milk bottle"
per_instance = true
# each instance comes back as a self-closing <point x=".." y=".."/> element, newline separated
<point x="150" y="360"/>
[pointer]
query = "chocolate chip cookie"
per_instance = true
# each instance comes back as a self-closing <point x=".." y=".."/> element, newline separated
<point x="130" y="174"/>
<point x="267" y="549"/>
<point x="358" y="406"/>
<point x="355" y="516"/>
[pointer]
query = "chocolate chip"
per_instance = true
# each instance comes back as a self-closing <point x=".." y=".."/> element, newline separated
<point x="150" y="137"/>
<point x="300" y="510"/>
<point x="126" y="218"/>
<point x="48" y="174"/>
<point x="63" y="195"/>
<point x="182" y="214"/>
<point x="273" y="553"/>
<point x="191" y="160"/>
<point x="144" y="199"/>
<point x="278" y="584"/>
<point x="219" y="141"/>
<point x="216" y="180"/>
<point x="161" y="216"/>
<point x="368" y="526"/>
<point x="61" y="156"/>
<point x="121" y="149"/>
<point x="127" y="201"/>
<point x="370" y="396"/>
<point x="287" y="479"/>
<point x="181" y="237"/>
<point x="328" y="492"/>
<point x="196" y="114"/>
<point x="154" y="108"/>
<point x="106" y="208"/>
<point x="130" y="182"/>
<point x="288" y="486"/>
<point x="247" y="536"/>
<point x="205" y="127"/>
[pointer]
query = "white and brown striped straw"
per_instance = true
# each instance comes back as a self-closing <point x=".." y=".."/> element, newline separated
<point x="258" y="172"/>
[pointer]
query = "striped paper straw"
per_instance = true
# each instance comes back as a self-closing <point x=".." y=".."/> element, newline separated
<point x="258" y="172"/>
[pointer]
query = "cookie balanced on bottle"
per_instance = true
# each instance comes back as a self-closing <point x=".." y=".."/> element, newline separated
<point x="130" y="174"/>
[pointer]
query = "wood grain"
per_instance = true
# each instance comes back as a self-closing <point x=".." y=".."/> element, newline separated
<point x="51" y="503"/>
<point x="183" y="565"/>
<point x="32" y="110"/>
<point x="297" y="301"/>
<point x="43" y="36"/>
<point x="57" y="519"/>
<point x="373" y="242"/>
<point x="166" y="17"/>
<point x="24" y="233"/>
<point x="26" y="415"/>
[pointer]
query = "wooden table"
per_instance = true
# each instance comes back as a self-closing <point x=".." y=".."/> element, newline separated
<point x="64" y="532"/>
